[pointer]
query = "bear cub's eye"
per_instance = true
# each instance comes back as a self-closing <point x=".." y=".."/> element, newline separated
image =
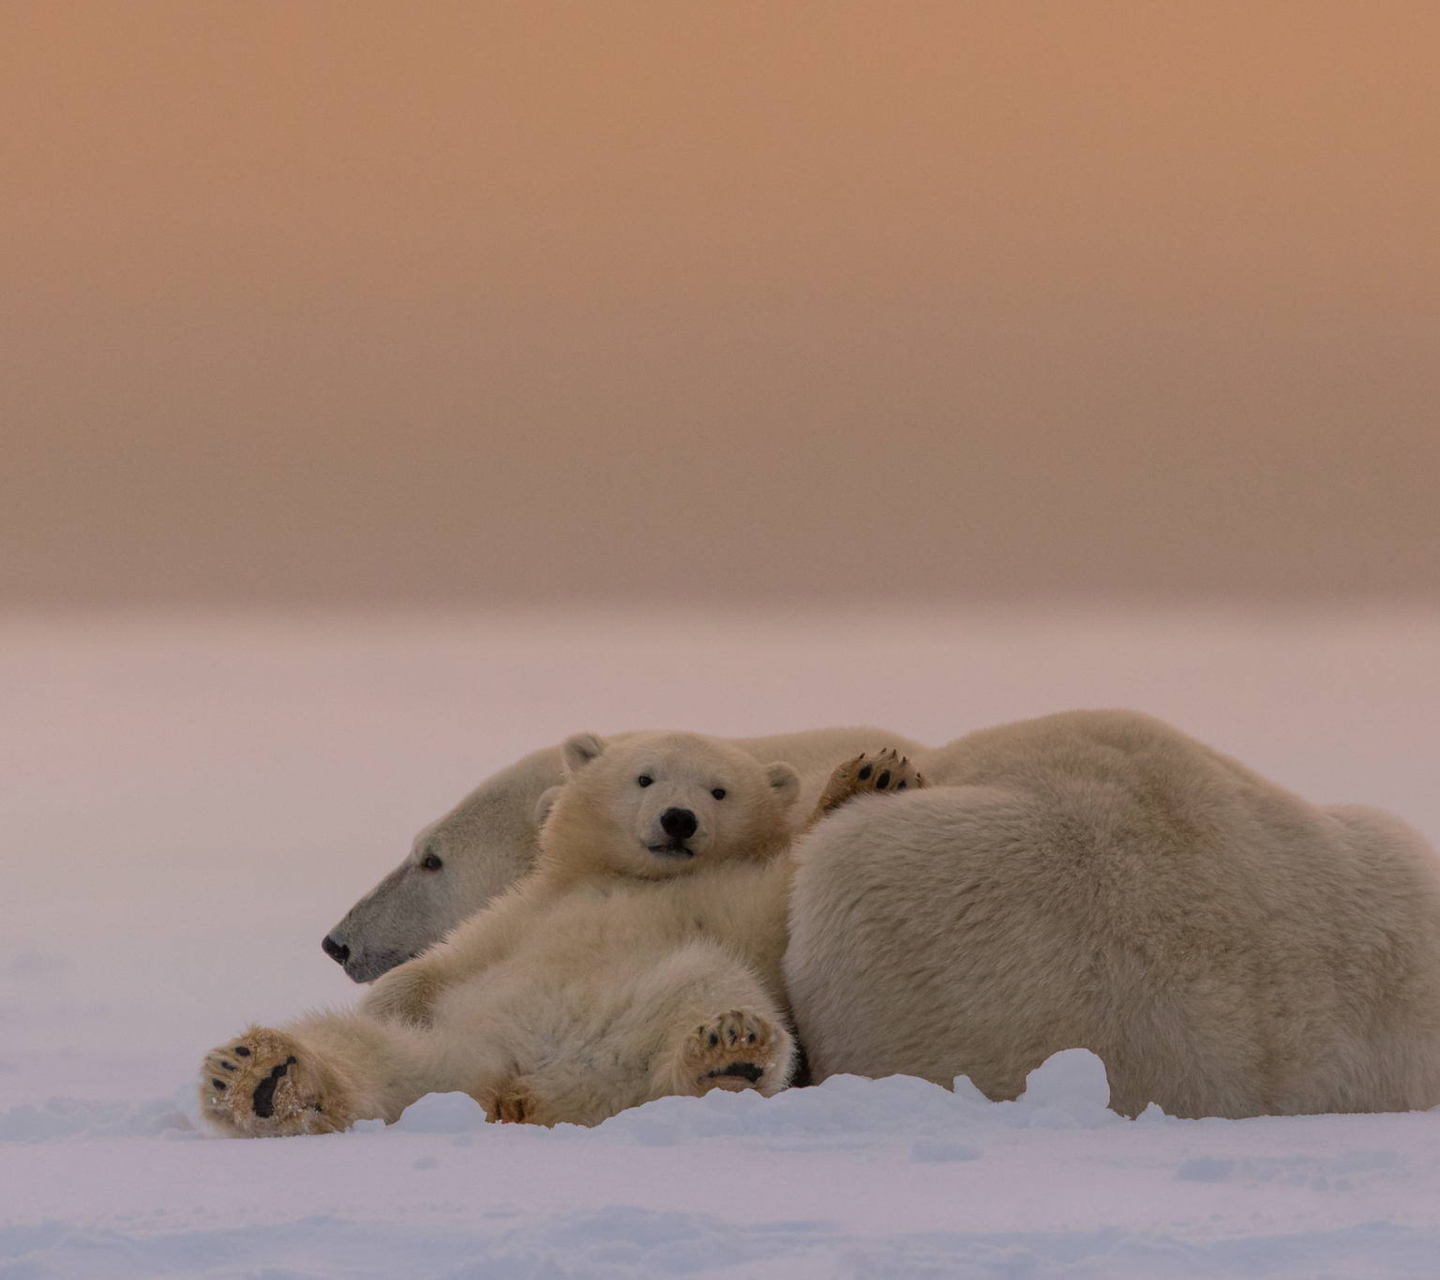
<point x="644" y="779"/>
<point x="719" y="793"/>
<point x="431" y="862"/>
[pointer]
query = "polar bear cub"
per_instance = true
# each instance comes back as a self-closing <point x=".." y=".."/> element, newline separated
<point x="670" y="807"/>
<point x="641" y="958"/>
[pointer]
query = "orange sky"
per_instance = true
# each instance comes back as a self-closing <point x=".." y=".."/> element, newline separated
<point x="308" y="301"/>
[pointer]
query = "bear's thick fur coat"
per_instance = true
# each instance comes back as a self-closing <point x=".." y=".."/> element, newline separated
<point x="1100" y="880"/>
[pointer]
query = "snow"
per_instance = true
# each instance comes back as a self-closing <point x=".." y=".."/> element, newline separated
<point x="189" y="803"/>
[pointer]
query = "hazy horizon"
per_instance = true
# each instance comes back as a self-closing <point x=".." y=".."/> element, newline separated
<point x="482" y="303"/>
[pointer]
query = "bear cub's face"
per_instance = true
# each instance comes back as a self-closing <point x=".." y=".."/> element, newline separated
<point x="657" y="805"/>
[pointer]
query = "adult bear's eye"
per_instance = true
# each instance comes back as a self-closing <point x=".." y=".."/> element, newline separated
<point x="644" y="779"/>
<point x="719" y="793"/>
<point x="431" y="861"/>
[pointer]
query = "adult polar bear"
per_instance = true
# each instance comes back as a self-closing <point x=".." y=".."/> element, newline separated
<point x="1098" y="879"/>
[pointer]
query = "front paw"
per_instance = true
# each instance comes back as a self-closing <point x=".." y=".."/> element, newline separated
<point x="267" y="1085"/>
<point x="406" y="994"/>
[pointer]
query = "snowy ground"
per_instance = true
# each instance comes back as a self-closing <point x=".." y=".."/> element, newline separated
<point x="188" y="805"/>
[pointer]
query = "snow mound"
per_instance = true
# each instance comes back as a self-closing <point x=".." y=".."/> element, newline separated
<point x="847" y="1107"/>
<point x="1069" y="1090"/>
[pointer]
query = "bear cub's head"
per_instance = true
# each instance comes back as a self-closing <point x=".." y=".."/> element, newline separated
<point x="654" y="805"/>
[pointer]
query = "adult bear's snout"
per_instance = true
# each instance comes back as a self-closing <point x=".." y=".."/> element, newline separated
<point x="678" y="824"/>
<point x="337" y="951"/>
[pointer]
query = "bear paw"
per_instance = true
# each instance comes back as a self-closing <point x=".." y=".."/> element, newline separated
<point x="510" y="1103"/>
<point x="738" y="1050"/>
<point x="884" y="771"/>
<point x="405" y="994"/>
<point x="266" y="1085"/>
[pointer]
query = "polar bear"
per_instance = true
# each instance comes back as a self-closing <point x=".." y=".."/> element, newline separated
<point x="1100" y="880"/>
<point x="641" y="958"/>
<point x="1094" y="879"/>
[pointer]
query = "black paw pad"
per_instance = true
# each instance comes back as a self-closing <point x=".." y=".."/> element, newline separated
<point x="264" y="1100"/>
<point x="241" y="1051"/>
<point x="883" y="780"/>
<point x="741" y="1070"/>
<point x="864" y="773"/>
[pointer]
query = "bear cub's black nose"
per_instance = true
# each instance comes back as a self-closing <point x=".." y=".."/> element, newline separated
<point x="678" y="824"/>
<point x="337" y="951"/>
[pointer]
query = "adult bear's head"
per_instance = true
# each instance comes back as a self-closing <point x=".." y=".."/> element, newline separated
<point x="653" y="805"/>
<point x="455" y="866"/>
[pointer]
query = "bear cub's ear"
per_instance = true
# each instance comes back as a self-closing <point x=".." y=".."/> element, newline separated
<point x="580" y="750"/>
<point x="784" y="781"/>
<point x="545" y="804"/>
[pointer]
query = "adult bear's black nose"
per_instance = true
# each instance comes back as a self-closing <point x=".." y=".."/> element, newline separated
<point x="337" y="951"/>
<point x="678" y="824"/>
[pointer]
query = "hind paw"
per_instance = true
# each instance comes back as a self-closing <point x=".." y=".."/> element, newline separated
<point x="510" y="1103"/>
<point x="266" y="1085"/>
<point x="738" y="1050"/>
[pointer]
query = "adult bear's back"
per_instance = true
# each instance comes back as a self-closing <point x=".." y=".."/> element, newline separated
<point x="1098" y="879"/>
